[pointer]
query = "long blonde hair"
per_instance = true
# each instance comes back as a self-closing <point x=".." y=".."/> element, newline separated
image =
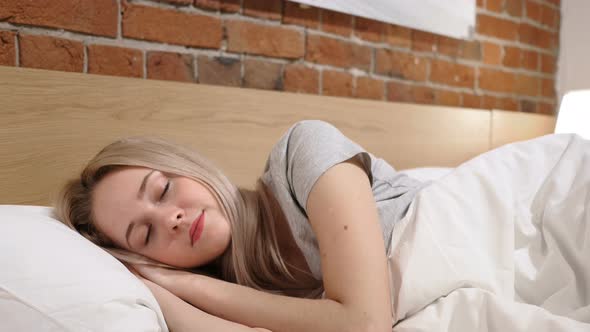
<point x="253" y="258"/>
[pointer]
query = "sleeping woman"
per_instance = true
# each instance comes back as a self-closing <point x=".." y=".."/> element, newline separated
<point x="305" y="251"/>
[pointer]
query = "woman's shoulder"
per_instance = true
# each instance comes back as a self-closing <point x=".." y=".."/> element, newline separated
<point x="306" y="151"/>
<point x="309" y="133"/>
<point x="311" y="126"/>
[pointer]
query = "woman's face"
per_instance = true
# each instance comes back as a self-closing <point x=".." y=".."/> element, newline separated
<point x="174" y="220"/>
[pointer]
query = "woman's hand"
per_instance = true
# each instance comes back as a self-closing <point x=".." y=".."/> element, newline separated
<point x="170" y="279"/>
<point x="177" y="312"/>
<point x="193" y="288"/>
<point x="158" y="291"/>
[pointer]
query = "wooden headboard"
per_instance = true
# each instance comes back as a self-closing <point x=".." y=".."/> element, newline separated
<point x="53" y="122"/>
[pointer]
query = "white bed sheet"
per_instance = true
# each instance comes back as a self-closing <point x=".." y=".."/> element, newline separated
<point x="427" y="173"/>
<point x="501" y="243"/>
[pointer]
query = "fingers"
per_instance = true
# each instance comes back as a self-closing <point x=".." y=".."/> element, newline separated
<point x="155" y="274"/>
<point x="137" y="270"/>
<point x="131" y="268"/>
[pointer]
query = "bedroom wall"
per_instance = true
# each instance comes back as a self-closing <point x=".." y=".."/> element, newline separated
<point x="279" y="45"/>
<point x="574" y="54"/>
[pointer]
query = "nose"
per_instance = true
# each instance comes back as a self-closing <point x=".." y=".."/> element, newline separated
<point x="174" y="218"/>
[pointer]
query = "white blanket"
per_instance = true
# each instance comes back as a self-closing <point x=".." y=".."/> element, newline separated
<point x="502" y="243"/>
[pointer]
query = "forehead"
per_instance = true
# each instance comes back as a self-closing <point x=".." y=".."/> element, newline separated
<point x="115" y="202"/>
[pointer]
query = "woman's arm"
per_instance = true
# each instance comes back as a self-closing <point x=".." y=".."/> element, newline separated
<point x="181" y="316"/>
<point x="343" y="214"/>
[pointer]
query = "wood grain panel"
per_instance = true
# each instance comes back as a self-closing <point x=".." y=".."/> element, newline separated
<point x="508" y="127"/>
<point x="53" y="122"/>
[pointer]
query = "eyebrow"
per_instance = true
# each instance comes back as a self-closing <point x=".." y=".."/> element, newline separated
<point x="140" y="193"/>
<point x="143" y="183"/>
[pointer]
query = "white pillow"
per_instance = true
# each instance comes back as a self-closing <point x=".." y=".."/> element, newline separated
<point x="53" y="279"/>
<point x="427" y="173"/>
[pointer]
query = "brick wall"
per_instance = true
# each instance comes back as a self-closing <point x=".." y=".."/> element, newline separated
<point x="279" y="45"/>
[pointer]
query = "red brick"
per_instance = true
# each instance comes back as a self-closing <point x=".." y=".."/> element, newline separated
<point x="298" y="78"/>
<point x="496" y="27"/>
<point x="423" y="95"/>
<point x="7" y="48"/>
<point x="169" y="26"/>
<point x="260" y="74"/>
<point x="537" y="37"/>
<point x="528" y="106"/>
<point x="274" y="41"/>
<point x="470" y="50"/>
<point x="496" y="80"/>
<point x="490" y="102"/>
<point x="330" y="51"/>
<point x="459" y="48"/>
<point x="533" y="10"/>
<point x="449" y="46"/>
<point x="423" y="41"/>
<point x="452" y="73"/>
<point x="530" y="60"/>
<point x="495" y="5"/>
<point x="480" y="3"/>
<point x="97" y="17"/>
<point x="118" y="61"/>
<point x="512" y="57"/>
<point x="546" y="108"/>
<point x="513" y="7"/>
<point x="337" y="23"/>
<point x="170" y="66"/>
<point x="367" y="29"/>
<point x="396" y="35"/>
<point x="178" y="2"/>
<point x="208" y="4"/>
<point x="219" y="71"/>
<point x="401" y="65"/>
<point x="306" y="16"/>
<point x="527" y="85"/>
<point x="548" y="88"/>
<point x="335" y="83"/>
<point x="547" y="63"/>
<point x="270" y="10"/>
<point x="470" y="100"/>
<point x="492" y="53"/>
<point x="230" y="6"/>
<point x="448" y="98"/>
<point x="400" y="92"/>
<point x="507" y="104"/>
<point x="47" y="52"/>
<point x="550" y="17"/>
<point x="369" y="88"/>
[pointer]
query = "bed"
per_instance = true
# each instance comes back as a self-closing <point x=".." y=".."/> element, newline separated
<point x="53" y="122"/>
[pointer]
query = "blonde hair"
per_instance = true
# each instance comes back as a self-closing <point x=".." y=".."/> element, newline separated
<point x="253" y="258"/>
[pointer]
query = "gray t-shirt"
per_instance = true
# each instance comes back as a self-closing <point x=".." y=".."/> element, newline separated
<point x="303" y="154"/>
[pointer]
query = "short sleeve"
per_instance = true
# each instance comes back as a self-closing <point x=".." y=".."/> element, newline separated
<point x="307" y="150"/>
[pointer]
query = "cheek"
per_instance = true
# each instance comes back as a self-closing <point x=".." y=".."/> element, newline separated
<point x="222" y="225"/>
<point x="194" y="193"/>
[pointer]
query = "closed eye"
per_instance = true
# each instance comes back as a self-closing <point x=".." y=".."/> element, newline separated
<point x="165" y="190"/>
<point x="147" y="236"/>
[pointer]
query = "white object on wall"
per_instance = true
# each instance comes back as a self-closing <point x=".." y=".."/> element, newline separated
<point x="574" y="114"/>
<point x="453" y="18"/>
<point x="574" y="50"/>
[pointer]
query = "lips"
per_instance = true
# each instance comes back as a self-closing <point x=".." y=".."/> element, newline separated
<point x="197" y="228"/>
